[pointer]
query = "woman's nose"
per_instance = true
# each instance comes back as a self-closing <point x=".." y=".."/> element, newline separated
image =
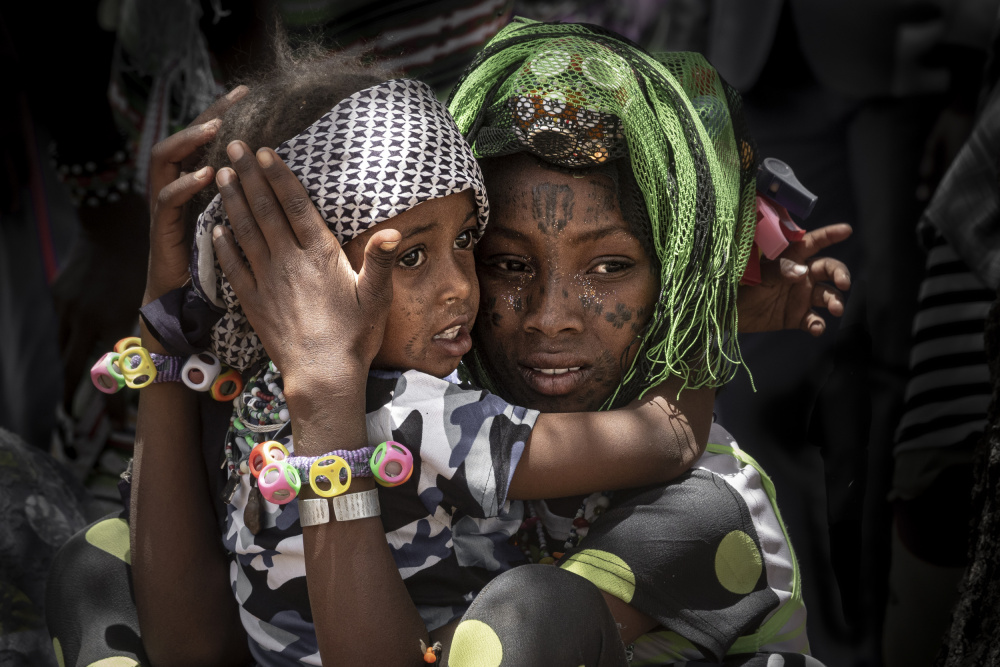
<point x="553" y="307"/>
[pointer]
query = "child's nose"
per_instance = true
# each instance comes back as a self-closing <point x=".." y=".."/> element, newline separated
<point x="456" y="283"/>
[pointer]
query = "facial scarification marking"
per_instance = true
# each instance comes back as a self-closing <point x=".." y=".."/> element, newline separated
<point x="620" y="316"/>
<point x="552" y="206"/>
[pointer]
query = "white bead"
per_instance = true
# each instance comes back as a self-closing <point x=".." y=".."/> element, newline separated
<point x="209" y="366"/>
<point x="283" y="415"/>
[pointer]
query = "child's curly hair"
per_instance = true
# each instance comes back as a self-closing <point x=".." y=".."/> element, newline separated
<point x="293" y="93"/>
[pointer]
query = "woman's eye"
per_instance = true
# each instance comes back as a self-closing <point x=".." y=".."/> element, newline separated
<point x="610" y="267"/>
<point x="512" y="265"/>
<point x="466" y="239"/>
<point x="413" y="258"/>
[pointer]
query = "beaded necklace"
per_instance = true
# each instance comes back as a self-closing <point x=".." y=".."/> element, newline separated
<point x="260" y="410"/>
<point x="539" y="552"/>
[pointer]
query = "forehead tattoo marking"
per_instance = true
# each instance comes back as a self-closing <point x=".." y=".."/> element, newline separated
<point x="552" y="206"/>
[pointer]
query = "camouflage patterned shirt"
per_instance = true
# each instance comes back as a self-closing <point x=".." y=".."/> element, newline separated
<point x="447" y="527"/>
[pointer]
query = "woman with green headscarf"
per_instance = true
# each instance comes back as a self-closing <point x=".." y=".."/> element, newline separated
<point x="701" y="569"/>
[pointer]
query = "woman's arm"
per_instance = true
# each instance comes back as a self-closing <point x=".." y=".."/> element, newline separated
<point x="323" y="338"/>
<point x="186" y="608"/>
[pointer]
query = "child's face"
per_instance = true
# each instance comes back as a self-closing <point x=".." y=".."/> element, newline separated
<point x="566" y="286"/>
<point x="435" y="292"/>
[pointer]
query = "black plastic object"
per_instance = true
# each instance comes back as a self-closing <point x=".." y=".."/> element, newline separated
<point x="776" y="180"/>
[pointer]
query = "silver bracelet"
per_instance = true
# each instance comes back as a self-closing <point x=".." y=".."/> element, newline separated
<point x="346" y="507"/>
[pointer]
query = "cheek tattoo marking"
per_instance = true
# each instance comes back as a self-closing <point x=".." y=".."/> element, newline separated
<point x="620" y="316"/>
<point x="552" y="206"/>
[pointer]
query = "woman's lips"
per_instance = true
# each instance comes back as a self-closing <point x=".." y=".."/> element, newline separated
<point x="554" y="380"/>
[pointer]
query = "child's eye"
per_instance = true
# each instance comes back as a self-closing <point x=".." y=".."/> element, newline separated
<point x="413" y="258"/>
<point x="466" y="239"/>
<point x="611" y="266"/>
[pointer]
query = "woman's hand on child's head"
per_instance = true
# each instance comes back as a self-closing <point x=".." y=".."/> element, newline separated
<point x="318" y="320"/>
<point x="172" y="185"/>
<point x="797" y="283"/>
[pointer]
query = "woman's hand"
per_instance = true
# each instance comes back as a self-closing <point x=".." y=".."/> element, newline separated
<point x="172" y="186"/>
<point x="795" y="284"/>
<point x="312" y="312"/>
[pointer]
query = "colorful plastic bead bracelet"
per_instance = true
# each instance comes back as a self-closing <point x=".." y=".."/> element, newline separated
<point x="133" y="366"/>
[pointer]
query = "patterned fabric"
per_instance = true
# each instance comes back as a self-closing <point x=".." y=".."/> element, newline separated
<point x="949" y="390"/>
<point x="447" y="526"/>
<point x="376" y="154"/>
<point x="719" y="525"/>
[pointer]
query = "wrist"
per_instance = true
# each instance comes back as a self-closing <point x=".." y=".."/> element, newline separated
<point x="149" y="341"/>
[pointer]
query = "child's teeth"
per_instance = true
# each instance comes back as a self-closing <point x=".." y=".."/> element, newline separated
<point x="556" y="371"/>
<point x="449" y="334"/>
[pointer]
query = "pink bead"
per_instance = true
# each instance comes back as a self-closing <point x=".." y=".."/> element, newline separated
<point x="105" y="376"/>
<point x="391" y="463"/>
<point x="279" y="483"/>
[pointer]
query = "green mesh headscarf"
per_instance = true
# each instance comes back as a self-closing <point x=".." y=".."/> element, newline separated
<point x="578" y="95"/>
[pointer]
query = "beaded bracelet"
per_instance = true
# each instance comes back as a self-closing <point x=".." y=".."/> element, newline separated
<point x="134" y="366"/>
<point x="279" y="476"/>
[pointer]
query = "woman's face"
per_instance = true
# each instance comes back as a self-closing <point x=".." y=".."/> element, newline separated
<point x="565" y="286"/>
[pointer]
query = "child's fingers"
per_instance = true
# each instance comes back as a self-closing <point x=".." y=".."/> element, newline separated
<point x="266" y="209"/>
<point x="812" y="323"/>
<point x="831" y="298"/>
<point x="792" y="270"/>
<point x="245" y="228"/>
<point x="221" y="105"/>
<point x="301" y="213"/>
<point x="375" y="277"/>
<point x="819" y="239"/>
<point x="830" y="270"/>
<point x="166" y="157"/>
<point x="180" y="191"/>
<point x="233" y="266"/>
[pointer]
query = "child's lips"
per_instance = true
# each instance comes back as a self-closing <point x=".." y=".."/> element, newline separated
<point x="454" y="341"/>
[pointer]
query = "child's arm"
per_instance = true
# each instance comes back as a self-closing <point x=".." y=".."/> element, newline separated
<point x="658" y="438"/>
<point x="180" y="572"/>
<point x="651" y="441"/>
<point x="323" y="338"/>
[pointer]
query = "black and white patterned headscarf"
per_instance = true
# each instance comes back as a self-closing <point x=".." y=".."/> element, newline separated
<point x="376" y="154"/>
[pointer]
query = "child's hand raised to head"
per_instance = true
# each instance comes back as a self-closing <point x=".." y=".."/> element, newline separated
<point x="795" y="284"/>
<point x="172" y="185"/>
<point x="319" y="321"/>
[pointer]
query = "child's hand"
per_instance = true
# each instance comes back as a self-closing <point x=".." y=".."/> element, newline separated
<point x="795" y="284"/>
<point x="171" y="187"/>
<point x="319" y="321"/>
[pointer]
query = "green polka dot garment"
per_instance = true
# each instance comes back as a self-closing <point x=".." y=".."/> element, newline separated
<point x="706" y="555"/>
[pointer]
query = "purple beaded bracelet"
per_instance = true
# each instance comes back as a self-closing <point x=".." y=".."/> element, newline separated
<point x="358" y="459"/>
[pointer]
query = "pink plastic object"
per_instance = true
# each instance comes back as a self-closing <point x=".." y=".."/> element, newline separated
<point x="279" y="483"/>
<point x="775" y="228"/>
<point x="105" y="376"/>
<point x="391" y="463"/>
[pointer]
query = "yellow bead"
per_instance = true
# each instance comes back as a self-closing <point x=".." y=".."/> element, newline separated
<point x="548" y="560"/>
